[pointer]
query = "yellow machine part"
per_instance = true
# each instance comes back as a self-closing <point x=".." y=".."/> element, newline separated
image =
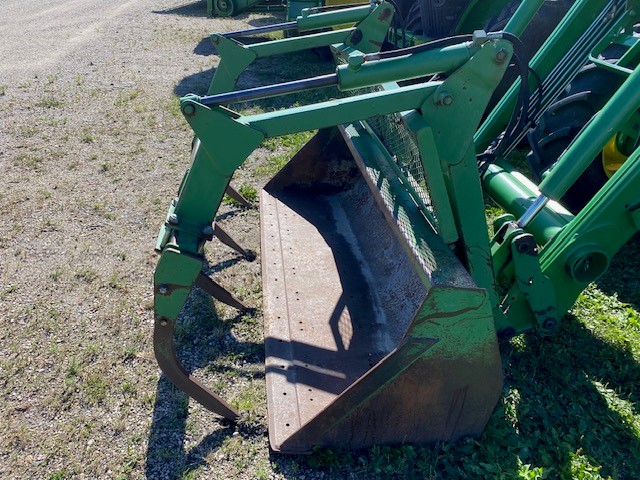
<point x="612" y="157"/>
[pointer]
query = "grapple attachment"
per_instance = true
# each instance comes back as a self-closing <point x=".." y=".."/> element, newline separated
<point x="374" y="331"/>
<point x="383" y="295"/>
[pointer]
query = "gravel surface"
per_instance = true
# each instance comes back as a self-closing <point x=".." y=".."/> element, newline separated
<point x="92" y="149"/>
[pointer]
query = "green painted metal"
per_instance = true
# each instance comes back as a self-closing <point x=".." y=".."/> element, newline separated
<point x="477" y="12"/>
<point x="296" y="8"/>
<point x="580" y="19"/>
<point x="515" y="193"/>
<point x="597" y="134"/>
<point x="360" y="74"/>
<point x="367" y="36"/>
<point x="476" y="288"/>
<point x="453" y="330"/>
<point x="311" y="20"/>
<point x="215" y="161"/>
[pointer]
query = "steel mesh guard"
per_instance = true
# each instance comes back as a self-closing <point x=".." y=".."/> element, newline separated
<point x="396" y="137"/>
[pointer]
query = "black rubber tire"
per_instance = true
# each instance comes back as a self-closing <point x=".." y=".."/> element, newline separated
<point x="587" y="93"/>
<point x="224" y="8"/>
<point x="434" y="18"/>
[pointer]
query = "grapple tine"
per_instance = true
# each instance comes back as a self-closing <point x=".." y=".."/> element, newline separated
<point x="225" y="238"/>
<point x="218" y="292"/>
<point x="172" y="368"/>
<point x="238" y="197"/>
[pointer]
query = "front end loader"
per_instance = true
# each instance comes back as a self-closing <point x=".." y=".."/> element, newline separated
<point x="384" y="293"/>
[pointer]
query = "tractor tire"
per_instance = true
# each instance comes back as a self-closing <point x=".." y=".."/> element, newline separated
<point x="434" y="18"/>
<point x="224" y="8"/>
<point x="587" y="93"/>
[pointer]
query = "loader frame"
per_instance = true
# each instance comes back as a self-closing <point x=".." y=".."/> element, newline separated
<point x="468" y="289"/>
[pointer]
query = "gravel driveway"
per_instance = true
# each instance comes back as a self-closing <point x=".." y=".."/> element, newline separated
<point x="92" y="149"/>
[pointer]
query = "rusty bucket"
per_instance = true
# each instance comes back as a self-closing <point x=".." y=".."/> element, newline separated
<point x="374" y="331"/>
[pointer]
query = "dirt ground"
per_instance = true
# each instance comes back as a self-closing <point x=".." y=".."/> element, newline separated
<point x="92" y="149"/>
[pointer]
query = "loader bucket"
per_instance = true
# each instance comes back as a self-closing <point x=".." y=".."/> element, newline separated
<point x="374" y="331"/>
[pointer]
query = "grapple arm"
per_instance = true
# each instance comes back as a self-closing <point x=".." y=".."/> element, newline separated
<point x="443" y="291"/>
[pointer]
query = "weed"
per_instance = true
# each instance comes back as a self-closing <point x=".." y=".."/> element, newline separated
<point x="249" y="398"/>
<point x="128" y="389"/>
<point x="28" y="131"/>
<point x="102" y="209"/>
<point x="30" y="161"/>
<point x="87" y="138"/>
<point x="247" y="191"/>
<point x="3" y="90"/>
<point x="126" y="97"/>
<point x="48" y="102"/>
<point x="95" y="387"/>
<point x="63" y="474"/>
<point x="272" y="165"/>
<point x="130" y="352"/>
<point x="73" y="369"/>
<point x="174" y="107"/>
<point x="104" y="167"/>
<point x="55" y="275"/>
<point x="117" y="281"/>
<point x="86" y="274"/>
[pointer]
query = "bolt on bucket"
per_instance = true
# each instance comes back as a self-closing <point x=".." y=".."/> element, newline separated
<point x="371" y="337"/>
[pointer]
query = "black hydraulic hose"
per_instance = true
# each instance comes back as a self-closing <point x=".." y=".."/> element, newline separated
<point x="399" y="18"/>
<point x="270" y="90"/>
<point x="536" y="108"/>
<point x="328" y="8"/>
<point x="520" y="117"/>
<point x="423" y="47"/>
<point x="276" y="27"/>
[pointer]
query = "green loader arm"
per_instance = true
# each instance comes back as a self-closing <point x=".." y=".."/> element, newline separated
<point x="474" y="69"/>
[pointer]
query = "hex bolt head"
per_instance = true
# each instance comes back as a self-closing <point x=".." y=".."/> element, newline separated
<point x="189" y="109"/>
<point x="501" y="55"/>
<point x="207" y="231"/>
<point x="163" y="289"/>
<point x="164" y="322"/>
<point x="444" y="98"/>
<point x="173" y="219"/>
<point x="549" y="323"/>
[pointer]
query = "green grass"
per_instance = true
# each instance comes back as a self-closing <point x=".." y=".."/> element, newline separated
<point x="48" y="102"/>
<point x="283" y="149"/>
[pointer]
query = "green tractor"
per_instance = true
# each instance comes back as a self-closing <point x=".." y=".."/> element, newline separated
<point x="385" y="295"/>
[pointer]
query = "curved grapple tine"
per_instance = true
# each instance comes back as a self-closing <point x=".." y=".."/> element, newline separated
<point x="238" y="197"/>
<point x="218" y="292"/>
<point x="172" y="368"/>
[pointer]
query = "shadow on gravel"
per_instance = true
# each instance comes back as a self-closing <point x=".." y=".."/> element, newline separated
<point x="166" y="454"/>
<point x="202" y="340"/>
<point x="197" y="83"/>
<point x="195" y="9"/>
<point x="199" y="9"/>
